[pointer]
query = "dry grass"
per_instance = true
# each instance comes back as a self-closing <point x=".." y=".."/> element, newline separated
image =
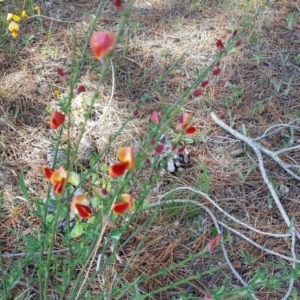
<point x="158" y="33"/>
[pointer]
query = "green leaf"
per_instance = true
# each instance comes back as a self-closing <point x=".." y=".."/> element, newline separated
<point x="97" y="191"/>
<point x="49" y="219"/>
<point x="116" y="235"/>
<point x="104" y="168"/>
<point x="95" y="201"/>
<point x="145" y="205"/>
<point x="77" y="230"/>
<point x="292" y="223"/>
<point x="188" y="140"/>
<point x="244" y="130"/>
<point x="23" y="185"/>
<point x="214" y="231"/>
<point x="74" y="178"/>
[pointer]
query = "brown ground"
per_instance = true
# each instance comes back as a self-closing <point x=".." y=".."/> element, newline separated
<point x="159" y="32"/>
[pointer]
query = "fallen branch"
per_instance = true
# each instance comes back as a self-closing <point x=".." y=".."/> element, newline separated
<point x="258" y="149"/>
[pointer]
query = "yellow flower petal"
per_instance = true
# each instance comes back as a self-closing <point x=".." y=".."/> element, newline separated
<point x="13" y="26"/>
<point x="9" y="17"/>
<point x="126" y="154"/>
<point x="37" y="8"/>
<point x="16" y="18"/>
<point x="24" y="15"/>
<point x="56" y="93"/>
<point x="14" y="33"/>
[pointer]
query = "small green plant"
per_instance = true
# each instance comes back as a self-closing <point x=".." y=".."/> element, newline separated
<point x="258" y="57"/>
<point x="204" y="181"/>
<point x="288" y="139"/>
<point x="259" y="108"/>
<point x="242" y="177"/>
<point x="297" y="58"/>
<point x="284" y="58"/>
<point x="291" y="20"/>
<point x="248" y="259"/>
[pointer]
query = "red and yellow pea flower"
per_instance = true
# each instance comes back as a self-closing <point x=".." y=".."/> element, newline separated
<point x="57" y="119"/>
<point x="80" y="206"/>
<point x="101" y="43"/>
<point x="58" y="178"/>
<point x="126" y="157"/>
<point x="183" y="124"/>
<point x="119" y="208"/>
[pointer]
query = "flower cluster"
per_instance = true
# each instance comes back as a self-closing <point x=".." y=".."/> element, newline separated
<point x="216" y="68"/>
<point x="13" y="20"/>
<point x="101" y="44"/>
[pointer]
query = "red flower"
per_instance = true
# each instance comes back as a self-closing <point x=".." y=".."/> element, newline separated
<point x="57" y="119"/>
<point x="80" y="89"/>
<point x="159" y="149"/>
<point x="126" y="154"/>
<point x="181" y="149"/>
<point x="197" y="92"/>
<point x="80" y="206"/>
<point x="214" y="242"/>
<point x="135" y="113"/>
<point x="118" y="169"/>
<point x="118" y="5"/>
<point x="184" y="124"/>
<point x="216" y="71"/>
<point x="58" y="178"/>
<point x="219" y="45"/>
<point x="204" y="83"/>
<point x="238" y="43"/>
<point x="155" y="117"/>
<point x="101" y="43"/>
<point x="126" y="157"/>
<point x="129" y="199"/>
<point x="191" y="130"/>
<point x="120" y="207"/>
<point x="60" y="72"/>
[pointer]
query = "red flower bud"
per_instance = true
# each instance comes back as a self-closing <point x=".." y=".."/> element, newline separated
<point x="159" y="149"/>
<point x="216" y="71"/>
<point x="118" y="5"/>
<point x="204" y="83"/>
<point x="80" y="89"/>
<point x="197" y="92"/>
<point x="135" y="113"/>
<point x="219" y="45"/>
<point x="238" y="43"/>
<point x="60" y="72"/>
